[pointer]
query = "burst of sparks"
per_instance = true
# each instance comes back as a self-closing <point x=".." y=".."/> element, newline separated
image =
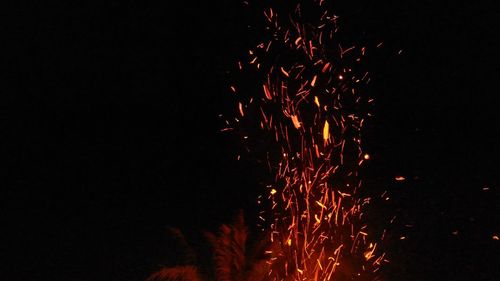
<point x="310" y="104"/>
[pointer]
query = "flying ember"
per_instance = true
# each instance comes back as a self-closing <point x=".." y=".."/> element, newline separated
<point x="306" y="115"/>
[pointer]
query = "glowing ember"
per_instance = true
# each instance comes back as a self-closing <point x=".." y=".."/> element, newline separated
<point x="311" y="108"/>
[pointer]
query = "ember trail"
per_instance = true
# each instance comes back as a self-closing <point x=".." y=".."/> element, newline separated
<point x="309" y="107"/>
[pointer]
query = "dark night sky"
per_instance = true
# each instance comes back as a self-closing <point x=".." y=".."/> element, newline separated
<point x="110" y="133"/>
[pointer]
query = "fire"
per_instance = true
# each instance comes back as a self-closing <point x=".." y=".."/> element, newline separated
<point x="316" y="218"/>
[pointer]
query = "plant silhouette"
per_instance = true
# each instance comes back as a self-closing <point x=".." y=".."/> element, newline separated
<point x="232" y="257"/>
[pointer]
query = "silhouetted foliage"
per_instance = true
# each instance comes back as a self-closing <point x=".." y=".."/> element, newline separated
<point x="233" y="257"/>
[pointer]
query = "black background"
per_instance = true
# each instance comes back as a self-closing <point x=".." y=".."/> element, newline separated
<point x="110" y="133"/>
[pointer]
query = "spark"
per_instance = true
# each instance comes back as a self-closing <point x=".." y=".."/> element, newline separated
<point x="240" y="107"/>
<point x="295" y="121"/>
<point x="267" y="93"/>
<point x="316" y="101"/>
<point x="284" y="72"/>
<point x="313" y="82"/>
<point x="326" y="132"/>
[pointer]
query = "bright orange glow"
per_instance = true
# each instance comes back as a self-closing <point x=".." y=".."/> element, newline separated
<point x="313" y="82"/>
<point x="295" y="121"/>
<point x="326" y="132"/>
<point x="316" y="101"/>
